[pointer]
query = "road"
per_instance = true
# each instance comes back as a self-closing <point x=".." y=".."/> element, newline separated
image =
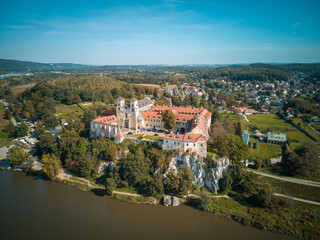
<point x="14" y="121"/>
<point x="297" y="199"/>
<point x="288" y="179"/>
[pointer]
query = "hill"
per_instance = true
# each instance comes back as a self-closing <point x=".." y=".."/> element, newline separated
<point x="27" y="66"/>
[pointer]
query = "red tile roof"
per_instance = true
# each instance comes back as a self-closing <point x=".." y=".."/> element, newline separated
<point x="185" y="137"/>
<point x="106" y="120"/>
<point x="118" y="135"/>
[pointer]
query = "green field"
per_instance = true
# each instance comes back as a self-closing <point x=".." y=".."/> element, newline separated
<point x="273" y="123"/>
<point x="141" y="136"/>
<point x="266" y="151"/>
<point x="65" y="111"/>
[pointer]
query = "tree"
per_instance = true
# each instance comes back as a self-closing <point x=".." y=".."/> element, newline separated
<point x="8" y="114"/>
<point x="134" y="168"/>
<point x="155" y="186"/>
<point x="88" y="116"/>
<point x="85" y="166"/>
<point x="225" y="183"/>
<point x="46" y="144"/>
<point x="204" y="201"/>
<point x="262" y="196"/>
<point x="304" y="161"/>
<point x="16" y="156"/>
<point x="20" y="130"/>
<point x="111" y="185"/>
<point x="51" y="166"/>
<point x="169" y="119"/>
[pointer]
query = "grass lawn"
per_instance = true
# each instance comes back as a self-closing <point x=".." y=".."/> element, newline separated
<point x="273" y="123"/>
<point x="4" y="139"/>
<point x="65" y="111"/>
<point x="266" y="151"/>
<point x="141" y="136"/>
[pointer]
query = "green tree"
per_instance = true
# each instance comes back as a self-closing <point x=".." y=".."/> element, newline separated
<point x="16" y="156"/>
<point x="169" y="119"/>
<point x="155" y="187"/>
<point x="51" y="166"/>
<point x="111" y="185"/>
<point x="204" y="201"/>
<point x="304" y="161"/>
<point x="20" y="130"/>
<point x="225" y="183"/>
<point x="88" y="116"/>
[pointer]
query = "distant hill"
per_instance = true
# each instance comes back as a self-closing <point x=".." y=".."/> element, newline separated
<point x="26" y="66"/>
<point x="286" y="67"/>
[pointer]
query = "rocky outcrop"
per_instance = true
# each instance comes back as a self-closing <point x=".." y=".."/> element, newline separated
<point x="203" y="175"/>
<point x="170" y="201"/>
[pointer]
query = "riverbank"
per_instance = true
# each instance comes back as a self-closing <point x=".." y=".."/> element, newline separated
<point x="290" y="217"/>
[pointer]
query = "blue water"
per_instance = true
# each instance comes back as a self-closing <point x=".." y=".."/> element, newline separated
<point x="10" y="75"/>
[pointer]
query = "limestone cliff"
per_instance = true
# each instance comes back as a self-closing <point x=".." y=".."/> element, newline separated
<point x="203" y="175"/>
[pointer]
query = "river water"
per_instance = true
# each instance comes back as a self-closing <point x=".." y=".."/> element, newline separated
<point x="32" y="208"/>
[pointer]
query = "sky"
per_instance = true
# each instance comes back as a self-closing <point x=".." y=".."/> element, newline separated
<point x="175" y="32"/>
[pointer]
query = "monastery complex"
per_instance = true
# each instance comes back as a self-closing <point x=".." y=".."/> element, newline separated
<point x="190" y="134"/>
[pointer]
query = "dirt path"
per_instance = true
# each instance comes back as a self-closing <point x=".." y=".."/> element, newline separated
<point x="197" y="196"/>
<point x="128" y="194"/>
<point x="66" y="175"/>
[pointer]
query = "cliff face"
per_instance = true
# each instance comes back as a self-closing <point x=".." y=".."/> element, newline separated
<point x="202" y="175"/>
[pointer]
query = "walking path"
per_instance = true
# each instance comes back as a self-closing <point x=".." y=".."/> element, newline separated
<point x="197" y="196"/>
<point x="297" y="199"/>
<point x="287" y="179"/>
<point x="66" y="175"/>
<point x="128" y="194"/>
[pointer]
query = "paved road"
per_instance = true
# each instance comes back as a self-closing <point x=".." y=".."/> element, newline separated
<point x="288" y="179"/>
<point x="298" y="199"/>
<point x="14" y="121"/>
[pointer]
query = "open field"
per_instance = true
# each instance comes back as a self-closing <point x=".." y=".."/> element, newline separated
<point x="64" y="111"/>
<point x="149" y="85"/>
<point x="266" y="151"/>
<point x="273" y="123"/>
<point x="20" y="89"/>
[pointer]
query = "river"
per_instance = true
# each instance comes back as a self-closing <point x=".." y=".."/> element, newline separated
<point x="32" y="208"/>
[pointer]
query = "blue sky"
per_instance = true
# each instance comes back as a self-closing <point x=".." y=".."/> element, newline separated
<point x="160" y="32"/>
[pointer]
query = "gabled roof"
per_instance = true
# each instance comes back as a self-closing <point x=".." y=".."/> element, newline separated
<point x="119" y="99"/>
<point x="106" y="120"/>
<point x="144" y="102"/>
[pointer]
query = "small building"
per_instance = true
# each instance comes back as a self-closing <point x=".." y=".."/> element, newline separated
<point x="118" y="138"/>
<point x="277" y="138"/>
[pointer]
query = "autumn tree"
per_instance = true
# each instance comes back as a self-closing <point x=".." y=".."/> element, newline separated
<point x="51" y="166"/>
<point x="16" y="156"/>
